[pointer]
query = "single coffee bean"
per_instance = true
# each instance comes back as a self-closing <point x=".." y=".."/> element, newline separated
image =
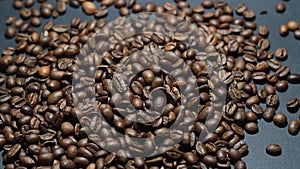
<point x="283" y="30"/>
<point x="281" y="86"/>
<point x="274" y="150"/>
<point x="280" y="7"/>
<point x="268" y="114"/>
<point x="44" y="71"/>
<point x="10" y="32"/>
<point x="280" y="120"/>
<point x="240" y="165"/>
<point x="137" y="7"/>
<point x="89" y="7"/>
<point x="294" y="127"/>
<point x="292" y="25"/>
<point x="281" y="53"/>
<point x="124" y="11"/>
<point x="293" y="78"/>
<point x="263" y="30"/>
<point x="292" y="105"/>
<point x="297" y="34"/>
<point x="251" y="128"/>
<point x="210" y="160"/>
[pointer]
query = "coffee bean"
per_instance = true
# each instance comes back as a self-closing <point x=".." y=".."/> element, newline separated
<point x="282" y="86"/>
<point x="251" y="128"/>
<point x="268" y="114"/>
<point x="44" y="71"/>
<point x="297" y="34"/>
<point x="210" y="160"/>
<point x="293" y="78"/>
<point x="89" y="7"/>
<point x="263" y="30"/>
<point x="283" y="30"/>
<point x="292" y="25"/>
<point x="294" y="127"/>
<point x="274" y="150"/>
<point x="280" y="120"/>
<point x="280" y="7"/>
<point x="137" y="7"/>
<point x="124" y="11"/>
<point x="249" y="14"/>
<point x="281" y="53"/>
<point x="240" y="165"/>
<point x="292" y="105"/>
<point x="10" y="32"/>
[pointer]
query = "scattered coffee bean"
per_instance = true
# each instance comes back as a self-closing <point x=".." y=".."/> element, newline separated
<point x="292" y="25"/>
<point x="274" y="150"/>
<point x="294" y="127"/>
<point x="280" y="120"/>
<point x="89" y="7"/>
<point x="281" y="53"/>
<point x="292" y="105"/>
<point x="280" y="7"/>
<point x="284" y="30"/>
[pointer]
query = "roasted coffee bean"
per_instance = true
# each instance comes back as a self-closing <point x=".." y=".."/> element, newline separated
<point x="292" y="105"/>
<point x="280" y="7"/>
<point x="10" y="32"/>
<point x="283" y="30"/>
<point x="281" y="86"/>
<point x="268" y="114"/>
<point x="240" y="165"/>
<point x="263" y="30"/>
<point x="44" y="71"/>
<point x="251" y="128"/>
<point x="292" y="25"/>
<point x="281" y="53"/>
<point x="280" y="120"/>
<point x="210" y="160"/>
<point x="293" y="78"/>
<point x="274" y="150"/>
<point x="89" y="7"/>
<point x="294" y="127"/>
<point x="297" y="34"/>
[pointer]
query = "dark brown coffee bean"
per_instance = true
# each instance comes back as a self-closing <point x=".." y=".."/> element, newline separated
<point x="280" y="120"/>
<point x="268" y="114"/>
<point x="272" y="100"/>
<point x="234" y="155"/>
<point x="281" y="53"/>
<point x="294" y="127"/>
<point x="274" y="150"/>
<point x="281" y="86"/>
<point x="14" y="150"/>
<point x="240" y="165"/>
<point x="292" y="105"/>
<point x="10" y="32"/>
<point x="251" y="128"/>
<point x="210" y="160"/>
<point x="89" y="7"/>
<point x="292" y="25"/>
<point x="280" y="7"/>
<point x="293" y="78"/>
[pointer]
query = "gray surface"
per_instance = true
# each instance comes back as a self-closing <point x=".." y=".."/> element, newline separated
<point x="257" y="159"/>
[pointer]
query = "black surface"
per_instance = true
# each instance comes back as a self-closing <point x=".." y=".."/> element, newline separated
<point x="257" y="158"/>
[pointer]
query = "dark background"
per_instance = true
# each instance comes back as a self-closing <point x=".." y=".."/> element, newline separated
<point x="257" y="158"/>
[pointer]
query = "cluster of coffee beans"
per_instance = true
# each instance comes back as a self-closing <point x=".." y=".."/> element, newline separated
<point x="55" y="82"/>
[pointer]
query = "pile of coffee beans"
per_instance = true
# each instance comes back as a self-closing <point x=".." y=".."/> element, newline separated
<point x="49" y="119"/>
